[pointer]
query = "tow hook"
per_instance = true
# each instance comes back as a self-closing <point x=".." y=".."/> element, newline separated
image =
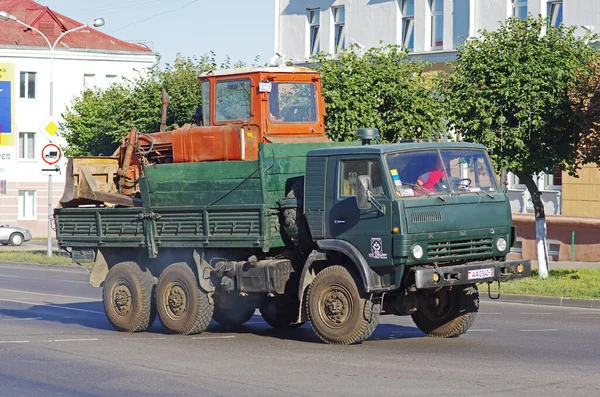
<point x="489" y="283"/>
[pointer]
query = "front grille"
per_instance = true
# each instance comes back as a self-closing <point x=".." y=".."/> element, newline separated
<point x="427" y="217"/>
<point x="448" y="250"/>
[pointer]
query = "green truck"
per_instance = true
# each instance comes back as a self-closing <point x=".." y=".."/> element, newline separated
<point x="336" y="234"/>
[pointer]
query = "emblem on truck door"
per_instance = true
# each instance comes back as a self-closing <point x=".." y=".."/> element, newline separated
<point x="377" y="249"/>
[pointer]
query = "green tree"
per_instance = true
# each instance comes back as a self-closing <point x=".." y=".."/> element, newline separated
<point x="585" y="102"/>
<point x="380" y="88"/>
<point x="509" y="90"/>
<point x="96" y="121"/>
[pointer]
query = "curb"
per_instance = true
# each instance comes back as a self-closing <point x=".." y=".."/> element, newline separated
<point x="546" y="300"/>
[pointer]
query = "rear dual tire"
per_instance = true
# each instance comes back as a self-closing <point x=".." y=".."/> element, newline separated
<point x="128" y="297"/>
<point x="183" y="308"/>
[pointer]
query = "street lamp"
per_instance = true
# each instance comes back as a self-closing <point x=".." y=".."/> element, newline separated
<point x="5" y="16"/>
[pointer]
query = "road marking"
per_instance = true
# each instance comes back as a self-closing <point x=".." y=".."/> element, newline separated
<point x="74" y="340"/>
<point x="539" y="330"/>
<point x="21" y="319"/>
<point x="584" y="313"/>
<point x="55" y="295"/>
<point x="535" y="314"/>
<point x="482" y="330"/>
<point x="44" y="279"/>
<point x="49" y="305"/>
<point x="214" y="337"/>
<point x="14" y="341"/>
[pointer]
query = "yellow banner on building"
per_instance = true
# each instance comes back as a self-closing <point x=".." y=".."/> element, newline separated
<point x="7" y="104"/>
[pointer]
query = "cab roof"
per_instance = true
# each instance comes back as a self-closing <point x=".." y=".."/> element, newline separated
<point x="257" y="69"/>
<point x="392" y="147"/>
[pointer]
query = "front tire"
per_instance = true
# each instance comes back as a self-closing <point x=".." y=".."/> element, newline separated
<point x="447" y="313"/>
<point x="16" y="239"/>
<point x="338" y="309"/>
<point x="127" y="298"/>
<point x="183" y="308"/>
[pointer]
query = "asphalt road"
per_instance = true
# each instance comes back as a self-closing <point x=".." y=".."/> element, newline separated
<point x="55" y="340"/>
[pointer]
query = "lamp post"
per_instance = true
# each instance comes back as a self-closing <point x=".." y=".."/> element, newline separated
<point x="5" y="16"/>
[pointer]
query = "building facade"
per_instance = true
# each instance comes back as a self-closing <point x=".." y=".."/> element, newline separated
<point x="82" y="59"/>
<point x="433" y="30"/>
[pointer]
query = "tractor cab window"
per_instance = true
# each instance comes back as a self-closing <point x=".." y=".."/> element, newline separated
<point x="446" y="171"/>
<point x="233" y="100"/>
<point x="292" y="103"/>
<point x="351" y="169"/>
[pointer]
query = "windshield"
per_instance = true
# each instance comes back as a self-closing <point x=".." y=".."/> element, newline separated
<point x="446" y="171"/>
<point x="292" y="103"/>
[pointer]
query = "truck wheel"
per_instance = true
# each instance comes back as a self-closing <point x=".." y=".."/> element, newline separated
<point x="127" y="297"/>
<point x="233" y="310"/>
<point x="280" y="312"/>
<point x="338" y="309"/>
<point x="447" y="313"/>
<point x="183" y="308"/>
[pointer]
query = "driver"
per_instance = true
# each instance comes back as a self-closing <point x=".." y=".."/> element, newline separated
<point x="428" y="180"/>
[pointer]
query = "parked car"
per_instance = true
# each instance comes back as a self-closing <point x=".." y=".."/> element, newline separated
<point x="13" y="235"/>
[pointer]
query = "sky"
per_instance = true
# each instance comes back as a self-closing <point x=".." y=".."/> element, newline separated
<point x="240" y="29"/>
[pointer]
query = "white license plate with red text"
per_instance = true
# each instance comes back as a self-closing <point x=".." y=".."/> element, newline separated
<point x="478" y="274"/>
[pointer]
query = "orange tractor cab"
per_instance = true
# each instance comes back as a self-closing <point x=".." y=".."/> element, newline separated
<point x="240" y="109"/>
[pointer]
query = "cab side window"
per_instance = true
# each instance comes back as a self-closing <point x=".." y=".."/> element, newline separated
<point x="233" y="100"/>
<point x="351" y="169"/>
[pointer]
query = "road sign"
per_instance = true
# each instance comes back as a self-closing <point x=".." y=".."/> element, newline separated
<point x="49" y="127"/>
<point x="51" y="154"/>
<point x="51" y="170"/>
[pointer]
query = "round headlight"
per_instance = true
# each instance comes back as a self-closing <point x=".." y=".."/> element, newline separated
<point x="417" y="251"/>
<point x="501" y="244"/>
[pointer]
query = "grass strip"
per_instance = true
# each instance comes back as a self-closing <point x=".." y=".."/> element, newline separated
<point x="39" y="257"/>
<point x="566" y="283"/>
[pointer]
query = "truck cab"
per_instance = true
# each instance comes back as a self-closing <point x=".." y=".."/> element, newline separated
<point x="382" y="201"/>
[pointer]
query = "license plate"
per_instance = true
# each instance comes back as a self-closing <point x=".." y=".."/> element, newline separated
<point x="480" y="273"/>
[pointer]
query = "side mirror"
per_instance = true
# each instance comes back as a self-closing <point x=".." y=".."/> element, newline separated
<point x="363" y="185"/>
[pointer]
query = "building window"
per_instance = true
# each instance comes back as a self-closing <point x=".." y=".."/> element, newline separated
<point x="110" y="79"/>
<point x="339" y="21"/>
<point x="27" y="145"/>
<point x="555" y="13"/>
<point x="519" y="9"/>
<point x="314" y="24"/>
<point x="408" y="24"/>
<point x="26" y="204"/>
<point x="89" y="81"/>
<point x="27" y="85"/>
<point x="437" y="23"/>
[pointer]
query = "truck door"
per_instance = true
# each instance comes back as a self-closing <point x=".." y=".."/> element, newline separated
<point x="368" y="230"/>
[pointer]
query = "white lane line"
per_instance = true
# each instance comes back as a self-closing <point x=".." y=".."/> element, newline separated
<point x="49" y="305"/>
<point x="535" y="314"/>
<point x="539" y="330"/>
<point x="20" y="319"/>
<point x="14" y="341"/>
<point x="584" y="313"/>
<point x="74" y="340"/>
<point x="482" y="330"/>
<point x="55" y="295"/>
<point x="44" y="279"/>
<point x="213" y="337"/>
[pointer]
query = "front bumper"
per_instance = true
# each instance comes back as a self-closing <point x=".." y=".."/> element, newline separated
<point x="479" y="272"/>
